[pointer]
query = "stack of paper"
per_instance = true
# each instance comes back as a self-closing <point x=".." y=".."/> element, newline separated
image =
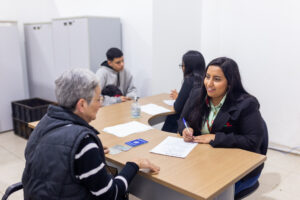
<point x="169" y="102"/>
<point x="153" y="109"/>
<point x="122" y="130"/>
<point x="174" y="146"/>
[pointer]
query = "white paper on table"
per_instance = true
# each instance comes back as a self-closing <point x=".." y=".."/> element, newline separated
<point x="122" y="130"/>
<point x="153" y="109"/>
<point x="173" y="146"/>
<point x="169" y="102"/>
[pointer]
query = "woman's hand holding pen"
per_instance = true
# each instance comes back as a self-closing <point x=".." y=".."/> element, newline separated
<point x="187" y="134"/>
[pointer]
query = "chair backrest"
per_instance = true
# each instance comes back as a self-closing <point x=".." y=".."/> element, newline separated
<point x="265" y="142"/>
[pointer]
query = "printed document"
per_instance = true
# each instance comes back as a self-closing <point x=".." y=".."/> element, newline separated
<point x="174" y="146"/>
<point x="169" y="102"/>
<point x="122" y="130"/>
<point x="153" y="109"/>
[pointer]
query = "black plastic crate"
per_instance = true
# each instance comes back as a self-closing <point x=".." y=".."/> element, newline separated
<point x="21" y="128"/>
<point x="30" y="110"/>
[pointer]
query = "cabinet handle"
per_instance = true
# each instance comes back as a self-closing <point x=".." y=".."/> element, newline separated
<point x="70" y="23"/>
<point x="65" y="23"/>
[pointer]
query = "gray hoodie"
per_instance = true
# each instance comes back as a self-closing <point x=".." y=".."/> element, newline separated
<point x="108" y="76"/>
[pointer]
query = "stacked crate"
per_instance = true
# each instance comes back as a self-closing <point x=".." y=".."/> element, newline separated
<point x="26" y="111"/>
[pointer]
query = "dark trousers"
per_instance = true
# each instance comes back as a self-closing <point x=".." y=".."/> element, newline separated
<point x="243" y="185"/>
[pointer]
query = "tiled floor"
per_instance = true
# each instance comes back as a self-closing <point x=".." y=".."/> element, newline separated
<point x="280" y="179"/>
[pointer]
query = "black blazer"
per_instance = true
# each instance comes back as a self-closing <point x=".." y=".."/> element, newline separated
<point x="170" y="124"/>
<point x="183" y="94"/>
<point x="238" y="125"/>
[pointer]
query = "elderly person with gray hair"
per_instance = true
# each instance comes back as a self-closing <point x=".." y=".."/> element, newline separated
<point x="64" y="157"/>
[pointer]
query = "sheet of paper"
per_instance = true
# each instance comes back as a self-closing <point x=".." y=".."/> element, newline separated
<point x="122" y="130"/>
<point x="153" y="109"/>
<point x="174" y="146"/>
<point x="169" y="102"/>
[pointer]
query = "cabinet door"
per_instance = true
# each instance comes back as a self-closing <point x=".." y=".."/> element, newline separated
<point x="79" y="45"/>
<point x="61" y="47"/>
<point x="104" y="33"/>
<point x="40" y="64"/>
<point x="12" y="76"/>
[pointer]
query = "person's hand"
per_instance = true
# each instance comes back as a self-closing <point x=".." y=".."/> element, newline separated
<point x="146" y="164"/>
<point x="124" y="98"/>
<point x="187" y="134"/>
<point x="106" y="150"/>
<point x="204" y="139"/>
<point x="174" y="94"/>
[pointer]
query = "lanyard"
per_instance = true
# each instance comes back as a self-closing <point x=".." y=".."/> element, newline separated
<point x="212" y="121"/>
<point x="209" y="127"/>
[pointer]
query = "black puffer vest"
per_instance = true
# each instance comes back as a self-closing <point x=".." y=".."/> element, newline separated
<point x="50" y="153"/>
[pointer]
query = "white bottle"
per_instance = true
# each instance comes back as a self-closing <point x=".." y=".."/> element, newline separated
<point x="135" y="108"/>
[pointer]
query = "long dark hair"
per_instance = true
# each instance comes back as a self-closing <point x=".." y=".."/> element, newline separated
<point x="194" y="64"/>
<point x="200" y="109"/>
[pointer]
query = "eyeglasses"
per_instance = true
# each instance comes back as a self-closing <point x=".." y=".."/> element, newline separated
<point x="180" y="66"/>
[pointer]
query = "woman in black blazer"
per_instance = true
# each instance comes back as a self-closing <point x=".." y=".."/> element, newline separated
<point x="193" y="68"/>
<point x="223" y="114"/>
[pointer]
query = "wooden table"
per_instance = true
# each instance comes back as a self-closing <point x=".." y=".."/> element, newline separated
<point x="206" y="173"/>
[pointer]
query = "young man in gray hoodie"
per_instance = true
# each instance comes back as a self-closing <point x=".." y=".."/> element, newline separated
<point x="112" y="72"/>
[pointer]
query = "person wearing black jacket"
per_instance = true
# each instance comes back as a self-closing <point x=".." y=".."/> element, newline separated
<point x="193" y="67"/>
<point x="223" y="114"/>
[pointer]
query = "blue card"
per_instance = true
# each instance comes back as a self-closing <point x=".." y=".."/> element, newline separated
<point x="136" y="142"/>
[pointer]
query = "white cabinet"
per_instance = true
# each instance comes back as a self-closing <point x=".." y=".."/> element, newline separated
<point x="40" y="63"/>
<point x="52" y="48"/>
<point x="12" y="76"/>
<point x="71" y="47"/>
<point x="83" y="42"/>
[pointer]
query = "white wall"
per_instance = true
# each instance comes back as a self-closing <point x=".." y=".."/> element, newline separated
<point x="264" y="38"/>
<point x="176" y="29"/>
<point x="136" y="20"/>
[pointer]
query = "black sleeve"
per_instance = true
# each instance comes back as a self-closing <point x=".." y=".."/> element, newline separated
<point x="249" y="134"/>
<point x="183" y="94"/>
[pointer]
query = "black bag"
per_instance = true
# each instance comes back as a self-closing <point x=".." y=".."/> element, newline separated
<point x="112" y="91"/>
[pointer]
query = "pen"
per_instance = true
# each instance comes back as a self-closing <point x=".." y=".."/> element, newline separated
<point x="185" y="124"/>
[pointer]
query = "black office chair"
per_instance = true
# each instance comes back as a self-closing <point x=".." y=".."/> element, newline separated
<point x="263" y="150"/>
<point x="265" y="142"/>
<point x="11" y="189"/>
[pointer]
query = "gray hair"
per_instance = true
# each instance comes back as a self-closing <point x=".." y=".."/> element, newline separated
<point x="73" y="85"/>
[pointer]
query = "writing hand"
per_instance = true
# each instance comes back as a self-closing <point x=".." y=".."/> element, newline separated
<point x="187" y="134"/>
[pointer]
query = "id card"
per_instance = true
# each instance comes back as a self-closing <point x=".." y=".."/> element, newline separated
<point x="118" y="149"/>
<point x="122" y="147"/>
<point x="136" y="142"/>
